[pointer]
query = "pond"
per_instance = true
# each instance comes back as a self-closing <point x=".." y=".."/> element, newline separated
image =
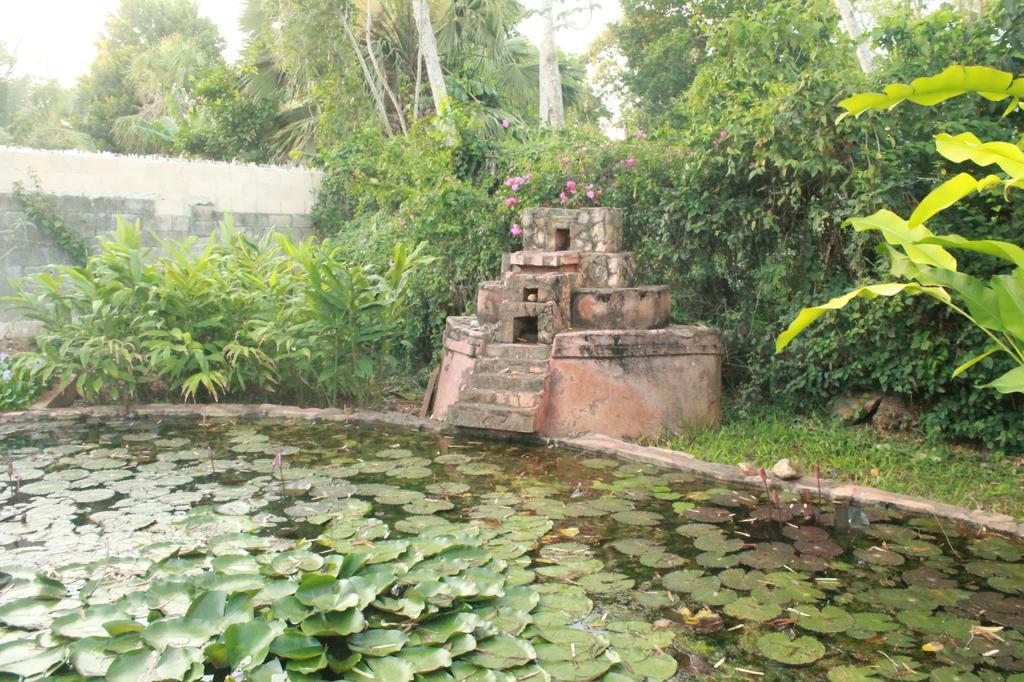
<point x="273" y="550"/>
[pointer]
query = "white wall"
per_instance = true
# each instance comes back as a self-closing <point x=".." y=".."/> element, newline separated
<point x="173" y="184"/>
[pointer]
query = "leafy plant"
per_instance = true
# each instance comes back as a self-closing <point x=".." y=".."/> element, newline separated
<point x="996" y="306"/>
<point x="20" y="382"/>
<point x="227" y="318"/>
<point x="40" y="210"/>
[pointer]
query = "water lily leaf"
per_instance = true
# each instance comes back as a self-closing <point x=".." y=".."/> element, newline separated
<point x="31" y="613"/>
<point x="294" y="645"/>
<point x="606" y="582"/>
<point x="713" y="595"/>
<point x="685" y="580"/>
<point x="579" y="670"/>
<point x="249" y="643"/>
<point x="851" y="673"/>
<point x="377" y="642"/>
<point x="439" y="630"/>
<point x="800" y="651"/>
<point x="334" y="623"/>
<point x="87" y="622"/>
<point x="748" y="608"/>
<point x="88" y="656"/>
<point x="426" y="658"/>
<point x="26" y="657"/>
<point x="384" y="668"/>
<point x="289" y="563"/>
<point x="571" y="569"/>
<point x="647" y="664"/>
<point x="950" y="674"/>
<point x="638" y="518"/>
<point x="830" y="619"/>
<point x="327" y="593"/>
<point x="178" y="632"/>
<point x="718" y="542"/>
<point x="879" y="556"/>
<point x="501" y="652"/>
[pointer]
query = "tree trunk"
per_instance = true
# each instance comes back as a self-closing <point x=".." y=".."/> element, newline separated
<point x="428" y="48"/>
<point x="381" y="78"/>
<point x="552" y="111"/>
<point x="853" y="28"/>
<point x="371" y="82"/>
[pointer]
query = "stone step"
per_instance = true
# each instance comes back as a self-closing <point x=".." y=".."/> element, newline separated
<point x="496" y="417"/>
<point x="489" y="396"/>
<point x="518" y="351"/>
<point x="487" y="365"/>
<point x="524" y="382"/>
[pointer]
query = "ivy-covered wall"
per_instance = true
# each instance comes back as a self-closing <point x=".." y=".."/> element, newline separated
<point x="81" y="194"/>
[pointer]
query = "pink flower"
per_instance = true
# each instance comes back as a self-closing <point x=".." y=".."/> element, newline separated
<point x="515" y="188"/>
<point x="571" y="186"/>
<point x="509" y="181"/>
<point x="504" y="123"/>
<point x="516" y="230"/>
<point x="600" y="192"/>
<point x="511" y="201"/>
<point x="630" y="162"/>
<point x="529" y="176"/>
<point x="640" y="134"/>
<point x="278" y="461"/>
<point x="591" y="195"/>
<point x="563" y="197"/>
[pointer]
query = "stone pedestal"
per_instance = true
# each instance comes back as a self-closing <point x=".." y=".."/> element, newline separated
<point x="564" y="344"/>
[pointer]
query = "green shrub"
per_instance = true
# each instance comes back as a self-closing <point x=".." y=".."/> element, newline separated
<point x="20" y="382"/>
<point x="228" y="319"/>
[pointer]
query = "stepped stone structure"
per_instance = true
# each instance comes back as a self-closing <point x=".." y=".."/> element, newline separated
<point x="564" y="344"/>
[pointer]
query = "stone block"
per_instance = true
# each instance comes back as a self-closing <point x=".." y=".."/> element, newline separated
<point x="630" y="384"/>
<point x="527" y="322"/>
<point x="607" y="270"/>
<point x="560" y="229"/>
<point x="489" y="297"/>
<point x="647" y="307"/>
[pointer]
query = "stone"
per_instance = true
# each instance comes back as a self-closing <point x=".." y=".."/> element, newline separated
<point x="893" y="415"/>
<point x="854" y="409"/>
<point x="563" y="343"/>
<point x="786" y="470"/>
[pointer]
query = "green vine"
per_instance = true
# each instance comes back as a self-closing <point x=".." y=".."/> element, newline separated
<point x="40" y="209"/>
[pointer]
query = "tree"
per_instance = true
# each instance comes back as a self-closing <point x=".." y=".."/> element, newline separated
<point x="139" y="26"/>
<point x="552" y="111"/>
<point x="853" y="29"/>
<point x="428" y="52"/>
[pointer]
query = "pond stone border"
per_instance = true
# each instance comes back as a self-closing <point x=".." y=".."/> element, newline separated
<point x="597" y="444"/>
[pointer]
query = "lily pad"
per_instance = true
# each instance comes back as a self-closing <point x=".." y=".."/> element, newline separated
<point x="800" y="651"/>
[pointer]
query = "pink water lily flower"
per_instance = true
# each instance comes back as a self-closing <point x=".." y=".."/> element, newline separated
<point x="278" y="461"/>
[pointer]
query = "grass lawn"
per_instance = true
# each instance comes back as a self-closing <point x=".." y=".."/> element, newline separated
<point x="911" y="464"/>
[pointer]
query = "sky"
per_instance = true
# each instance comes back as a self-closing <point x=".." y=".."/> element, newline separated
<point x="56" y="38"/>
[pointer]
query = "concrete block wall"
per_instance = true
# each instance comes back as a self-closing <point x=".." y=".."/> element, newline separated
<point x="172" y="198"/>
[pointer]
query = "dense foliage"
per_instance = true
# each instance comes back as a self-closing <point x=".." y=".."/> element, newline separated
<point x="20" y="382"/>
<point x="234" y="318"/>
<point x="996" y="305"/>
<point x="736" y="201"/>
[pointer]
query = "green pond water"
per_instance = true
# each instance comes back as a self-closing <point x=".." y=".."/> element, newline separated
<point x="556" y="564"/>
